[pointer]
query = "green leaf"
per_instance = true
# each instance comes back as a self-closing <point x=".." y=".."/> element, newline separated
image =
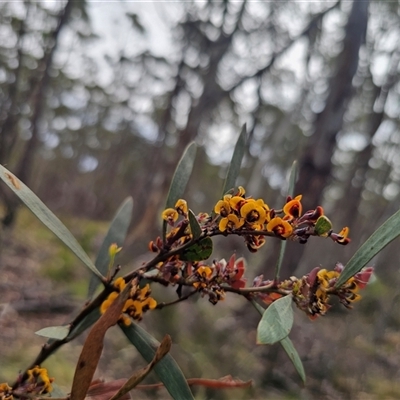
<point x="294" y="172"/>
<point x="287" y="346"/>
<point x="294" y="357"/>
<point x="54" y="332"/>
<point x="116" y="234"/>
<point x="181" y="176"/>
<point x="276" y="321"/>
<point x="292" y="183"/>
<point x="140" y="374"/>
<point x="46" y="217"/>
<point x="87" y="322"/>
<point x="93" y="346"/>
<point x="279" y="262"/>
<point x="323" y="226"/>
<point x="167" y="369"/>
<point x="236" y="162"/>
<point x="57" y="392"/>
<point x="386" y="233"/>
<point x="194" y="225"/>
<point x="199" y="251"/>
<point x="180" y="179"/>
<point x="260" y="309"/>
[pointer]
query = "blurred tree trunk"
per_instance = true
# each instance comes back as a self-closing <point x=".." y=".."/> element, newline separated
<point x="360" y="167"/>
<point x="316" y="164"/>
<point x="25" y="164"/>
<point x="8" y="130"/>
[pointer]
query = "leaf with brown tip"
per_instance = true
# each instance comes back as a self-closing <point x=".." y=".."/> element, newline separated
<point x="91" y="351"/>
<point x="139" y="375"/>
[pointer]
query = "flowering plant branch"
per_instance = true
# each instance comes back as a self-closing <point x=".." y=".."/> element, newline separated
<point x="182" y="258"/>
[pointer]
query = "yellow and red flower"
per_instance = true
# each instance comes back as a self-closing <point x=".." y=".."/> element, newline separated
<point x="203" y="273"/>
<point x="5" y="392"/>
<point x="254" y="242"/>
<point x="343" y="236"/>
<point x="293" y="208"/>
<point x="230" y="223"/>
<point x="170" y="215"/>
<point x="138" y="302"/>
<point x="280" y="227"/>
<point x="236" y="202"/>
<point x="222" y="208"/>
<point x="181" y="207"/>
<point x="39" y="377"/>
<point x="254" y="212"/>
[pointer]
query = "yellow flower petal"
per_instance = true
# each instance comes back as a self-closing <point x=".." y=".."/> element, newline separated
<point x="293" y="208"/>
<point x="222" y="208"/>
<point x="120" y="284"/>
<point x="253" y="212"/>
<point x="181" y="206"/>
<point x="170" y="215"/>
<point x="280" y="227"/>
<point x="236" y="202"/>
<point x="204" y="272"/>
<point x="230" y="222"/>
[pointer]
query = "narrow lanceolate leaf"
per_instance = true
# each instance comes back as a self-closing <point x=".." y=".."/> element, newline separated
<point x="195" y="227"/>
<point x="167" y="369"/>
<point x="386" y="233"/>
<point x="93" y="347"/>
<point x="294" y="171"/>
<point x="139" y="375"/>
<point x="276" y="321"/>
<point x="180" y="179"/>
<point x="294" y="357"/>
<point x="260" y="309"/>
<point x="279" y="262"/>
<point x="181" y="176"/>
<point x="236" y="162"/>
<point x="46" y="217"/>
<point x="116" y="234"/>
<point x="287" y="346"/>
<point x="199" y="251"/>
<point x="86" y="323"/>
<point x="54" y="332"/>
<point x="292" y="183"/>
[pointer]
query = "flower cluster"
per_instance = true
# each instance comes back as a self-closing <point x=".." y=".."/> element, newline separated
<point x="211" y="280"/>
<point x="139" y="301"/>
<point x="171" y="215"/>
<point x="312" y="292"/>
<point x="239" y="214"/>
<point x="180" y="231"/>
<point x="251" y="218"/>
<point x="5" y="392"/>
<point x="182" y="251"/>
<point x="37" y="382"/>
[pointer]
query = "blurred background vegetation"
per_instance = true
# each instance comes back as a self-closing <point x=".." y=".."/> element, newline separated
<point x="98" y="101"/>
